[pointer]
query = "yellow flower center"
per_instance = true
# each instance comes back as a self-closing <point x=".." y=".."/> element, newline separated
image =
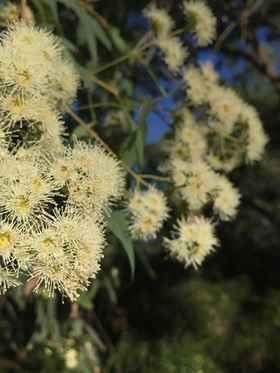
<point x="137" y="203"/>
<point x="16" y="107"/>
<point x="48" y="243"/>
<point x="225" y="108"/>
<point x="36" y="183"/>
<point x="5" y="240"/>
<point x="147" y="224"/>
<point x="56" y="269"/>
<point x="23" y="203"/>
<point x="64" y="171"/>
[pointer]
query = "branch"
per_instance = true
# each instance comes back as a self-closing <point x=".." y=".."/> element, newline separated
<point x="23" y="6"/>
<point x="91" y="10"/>
<point x="258" y="55"/>
<point x="106" y="338"/>
<point x="241" y="21"/>
<point x="259" y="58"/>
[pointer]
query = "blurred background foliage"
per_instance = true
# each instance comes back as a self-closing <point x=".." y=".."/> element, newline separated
<point x="225" y="317"/>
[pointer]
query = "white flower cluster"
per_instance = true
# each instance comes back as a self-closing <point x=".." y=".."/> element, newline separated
<point x="52" y="197"/>
<point x="194" y="240"/>
<point x="174" y="53"/>
<point x="232" y="128"/>
<point x="159" y="19"/>
<point x="198" y="184"/>
<point x="59" y="246"/>
<point x="148" y="210"/>
<point x="36" y="82"/>
<point x="216" y="134"/>
<point x="200" y="21"/>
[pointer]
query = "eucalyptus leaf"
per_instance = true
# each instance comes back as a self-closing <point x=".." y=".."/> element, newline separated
<point x="85" y="302"/>
<point x="118" y="224"/>
<point x="128" y="151"/>
<point x="110" y="290"/>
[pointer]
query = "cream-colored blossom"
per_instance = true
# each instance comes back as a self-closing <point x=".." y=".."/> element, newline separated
<point x="193" y="240"/>
<point x="189" y="142"/>
<point x="29" y="118"/>
<point x="59" y="247"/>
<point x="201" y="21"/>
<point x="8" y="279"/>
<point x="64" y="85"/>
<point x="32" y="63"/>
<point x="103" y="177"/>
<point x="226" y="199"/>
<point x="225" y="106"/>
<point x="174" y="53"/>
<point x="197" y="90"/>
<point x="62" y="248"/>
<point x="73" y="243"/>
<point x="256" y="137"/>
<point x="9" y="240"/>
<point x="225" y="165"/>
<point x="209" y="73"/>
<point x="145" y="226"/>
<point x="148" y="212"/>
<point x="159" y="19"/>
<point x="71" y="358"/>
<point x="199" y="181"/>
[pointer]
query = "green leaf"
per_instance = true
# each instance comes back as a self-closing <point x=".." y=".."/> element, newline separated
<point x="71" y="47"/>
<point x="140" y="143"/>
<point x="120" y="44"/>
<point x="78" y="133"/>
<point x="110" y="289"/>
<point x="71" y="4"/>
<point x="94" y="287"/>
<point x="132" y="148"/>
<point x="90" y="29"/>
<point x="85" y="74"/>
<point x="118" y="224"/>
<point x="100" y="33"/>
<point x="142" y="131"/>
<point x="40" y="8"/>
<point x="127" y="152"/>
<point x="85" y="302"/>
<point x="82" y="367"/>
<point x="156" y="80"/>
<point x="52" y="4"/>
<point x="94" y="336"/>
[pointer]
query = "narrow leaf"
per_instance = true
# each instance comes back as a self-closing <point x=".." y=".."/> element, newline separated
<point x="118" y="225"/>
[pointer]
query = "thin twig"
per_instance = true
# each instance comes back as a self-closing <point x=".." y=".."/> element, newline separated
<point x="91" y="10"/>
<point x="156" y="177"/>
<point x="259" y="59"/>
<point x="242" y="19"/>
<point x="106" y="338"/>
<point x="114" y="91"/>
<point x="23" y="6"/>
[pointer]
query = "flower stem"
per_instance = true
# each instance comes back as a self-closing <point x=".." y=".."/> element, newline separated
<point x="156" y="177"/>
